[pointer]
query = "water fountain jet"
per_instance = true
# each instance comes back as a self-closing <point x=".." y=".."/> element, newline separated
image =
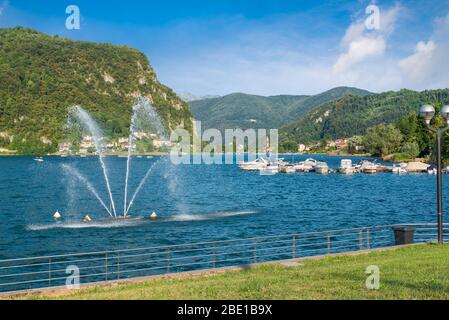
<point x="74" y="172"/>
<point x="91" y="125"/>
<point x="145" y="122"/>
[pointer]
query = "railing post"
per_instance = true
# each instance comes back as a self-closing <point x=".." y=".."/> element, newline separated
<point x="255" y="251"/>
<point x="328" y="244"/>
<point x="118" y="266"/>
<point x="168" y="260"/>
<point x="214" y="255"/>
<point x="106" y="265"/>
<point x="361" y="239"/>
<point x="367" y="239"/>
<point x="49" y="272"/>
<point x="294" y="247"/>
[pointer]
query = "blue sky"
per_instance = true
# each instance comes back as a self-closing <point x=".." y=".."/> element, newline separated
<point x="263" y="47"/>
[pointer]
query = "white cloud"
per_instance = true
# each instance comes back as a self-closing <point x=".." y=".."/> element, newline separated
<point x="361" y="44"/>
<point x="358" y="51"/>
<point x="428" y="64"/>
<point x="416" y="66"/>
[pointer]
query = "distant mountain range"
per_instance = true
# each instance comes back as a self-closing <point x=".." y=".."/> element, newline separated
<point x="189" y="97"/>
<point x="239" y="110"/>
<point x="352" y="115"/>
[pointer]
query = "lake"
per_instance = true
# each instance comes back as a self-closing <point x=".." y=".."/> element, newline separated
<point x="194" y="203"/>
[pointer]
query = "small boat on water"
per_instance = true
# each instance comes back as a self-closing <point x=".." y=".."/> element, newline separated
<point x="370" y="169"/>
<point x="432" y="170"/>
<point x="306" y="165"/>
<point x="272" y="168"/>
<point x="258" y="164"/>
<point x="399" y="168"/>
<point x="287" y="169"/>
<point x="346" y="167"/>
<point x="39" y="159"/>
<point x="322" y="168"/>
<point x="310" y="162"/>
<point x="367" y="167"/>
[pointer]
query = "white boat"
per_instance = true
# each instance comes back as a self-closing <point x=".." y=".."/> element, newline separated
<point x="346" y="167"/>
<point x="39" y="159"/>
<point x="432" y="170"/>
<point x="310" y="162"/>
<point x="370" y="169"/>
<point x="306" y="165"/>
<point x="322" y="168"/>
<point x="258" y="164"/>
<point x="287" y="169"/>
<point x="270" y="169"/>
<point x="399" y="168"/>
<point x="366" y="166"/>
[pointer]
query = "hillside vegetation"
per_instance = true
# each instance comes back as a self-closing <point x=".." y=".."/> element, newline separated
<point x="353" y="115"/>
<point x="41" y="76"/>
<point x="239" y="110"/>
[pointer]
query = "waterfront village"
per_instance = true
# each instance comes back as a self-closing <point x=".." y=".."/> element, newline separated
<point x="338" y="146"/>
<point x="141" y="142"/>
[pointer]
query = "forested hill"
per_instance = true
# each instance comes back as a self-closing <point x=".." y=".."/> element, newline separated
<point x="239" y="110"/>
<point x="41" y="76"/>
<point x="353" y="115"/>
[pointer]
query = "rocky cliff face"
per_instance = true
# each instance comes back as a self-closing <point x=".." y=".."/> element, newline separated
<point x="41" y="76"/>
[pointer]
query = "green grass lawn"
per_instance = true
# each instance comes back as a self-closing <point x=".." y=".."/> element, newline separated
<point x="415" y="272"/>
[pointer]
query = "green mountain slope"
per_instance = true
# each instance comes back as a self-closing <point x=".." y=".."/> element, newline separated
<point x="352" y="115"/>
<point x="244" y="111"/>
<point x="41" y="76"/>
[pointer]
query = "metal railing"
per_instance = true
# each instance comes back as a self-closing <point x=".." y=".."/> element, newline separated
<point x="51" y="271"/>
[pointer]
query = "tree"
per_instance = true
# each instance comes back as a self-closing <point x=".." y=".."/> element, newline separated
<point x="382" y="140"/>
<point x="289" y="146"/>
<point x="410" y="149"/>
<point x="354" y="142"/>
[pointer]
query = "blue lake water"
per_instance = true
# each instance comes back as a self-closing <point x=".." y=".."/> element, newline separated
<point x="194" y="203"/>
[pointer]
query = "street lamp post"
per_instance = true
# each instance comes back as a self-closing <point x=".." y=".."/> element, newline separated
<point x="427" y="112"/>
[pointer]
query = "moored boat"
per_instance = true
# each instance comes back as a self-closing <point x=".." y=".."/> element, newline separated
<point x="322" y="168"/>
<point x="287" y="169"/>
<point x="270" y="169"/>
<point x="306" y="165"/>
<point x="370" y="169"/>
<point x="346" y="167"/>
<point x="399" y="168"/>
<point x="258" y="164"/>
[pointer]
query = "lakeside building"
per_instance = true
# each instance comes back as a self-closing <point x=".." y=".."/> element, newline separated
<point x="87" y="144"/>
<point x="303" y="148"/>
<point x="162" y="143"/>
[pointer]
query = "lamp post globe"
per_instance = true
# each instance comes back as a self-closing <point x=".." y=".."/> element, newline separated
<point x="445" y="113"/>
<point x="427" y="112"/>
